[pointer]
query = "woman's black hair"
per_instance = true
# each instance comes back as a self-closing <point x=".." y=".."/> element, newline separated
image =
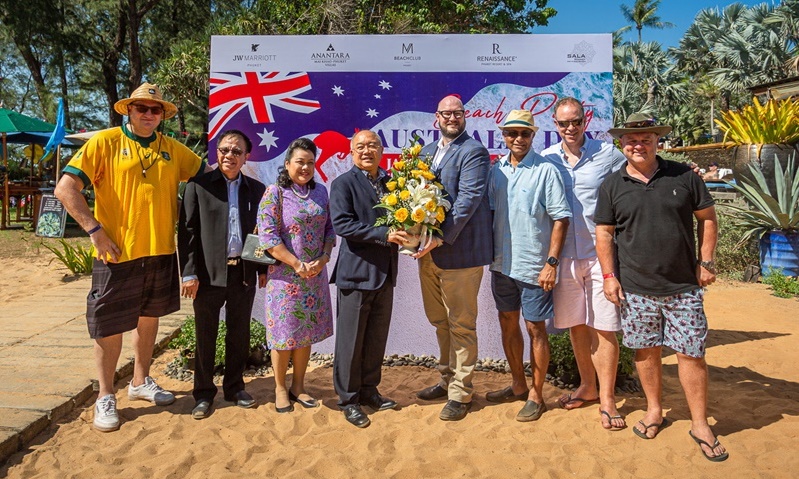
<point x="283" y="178"/>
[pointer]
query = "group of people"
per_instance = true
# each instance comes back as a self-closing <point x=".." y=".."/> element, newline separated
<point x="569" y="236"/>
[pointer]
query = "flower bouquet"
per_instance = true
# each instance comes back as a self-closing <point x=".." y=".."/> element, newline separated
<point x="415" y="201"/>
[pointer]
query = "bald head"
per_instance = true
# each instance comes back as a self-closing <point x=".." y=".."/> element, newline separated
<point x="450" y="118"/>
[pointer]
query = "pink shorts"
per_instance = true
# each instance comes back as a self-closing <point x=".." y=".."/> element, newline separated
<point x="580" y="299"/>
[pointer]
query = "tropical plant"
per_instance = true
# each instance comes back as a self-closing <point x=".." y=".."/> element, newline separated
<point x="782" y="286"/>
<point x="642" y="14"/>
<point x="77" y="259"/>
<point x="777" y="121"/>
<point x="186" y="340"/>
<point x="766" y="210"/>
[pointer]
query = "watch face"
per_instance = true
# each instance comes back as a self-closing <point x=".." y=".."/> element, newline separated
<point x="552" y="261"/>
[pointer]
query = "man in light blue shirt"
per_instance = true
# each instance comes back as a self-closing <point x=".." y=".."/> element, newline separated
<point x="531" y="216"/>
<point x="580" y="304"/>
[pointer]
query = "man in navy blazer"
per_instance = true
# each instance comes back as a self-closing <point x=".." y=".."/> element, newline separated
<point x="451" y="273"/>
<point x="219" y="209"/>
<point x="365" y="274"/>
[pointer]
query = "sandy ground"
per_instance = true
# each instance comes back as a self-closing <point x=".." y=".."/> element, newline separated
<point x="754" y="408"/>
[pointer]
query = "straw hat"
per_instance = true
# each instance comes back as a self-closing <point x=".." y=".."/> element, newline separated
<point x="149" y="92"/>
<point x="519" y="119"/>
<point x="640" y="123"/>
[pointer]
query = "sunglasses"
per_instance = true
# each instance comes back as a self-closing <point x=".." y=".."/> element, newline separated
<point x="568" y="123"/>
<point x="233" y="151"/>
<point x="447" y="114"/>
<point x="514" y="133"/>
<point x="641" y="124"/>
<point x="155" y="110"/>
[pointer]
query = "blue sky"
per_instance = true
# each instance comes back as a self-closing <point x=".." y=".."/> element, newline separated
<point x="604" y="16"/>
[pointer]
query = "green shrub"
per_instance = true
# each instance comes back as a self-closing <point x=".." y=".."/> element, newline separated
<point x="781" y="285"/>
<point x="732" y="258"/>
<point x="77" y="259"/>
<point x="562" y="362"/>
<point x="678" y="157"/>
<point x="186" y="341"/>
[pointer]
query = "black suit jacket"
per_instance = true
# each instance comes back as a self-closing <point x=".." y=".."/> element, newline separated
<point x="365" y="259"/>
<point x="203" y="227"/>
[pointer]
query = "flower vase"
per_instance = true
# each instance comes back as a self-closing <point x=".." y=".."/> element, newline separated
<point x="417" y="232"/>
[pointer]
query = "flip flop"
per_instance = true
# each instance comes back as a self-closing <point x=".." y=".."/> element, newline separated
<point x="568" y="399"/>
<point x="610" y="421"/>
<point x="663" y="424"/>
<point x="719" y="458"/>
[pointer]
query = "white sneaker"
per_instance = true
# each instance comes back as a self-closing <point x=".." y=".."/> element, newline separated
<point x="150" y="391"/>
<point x="106" y="418"/>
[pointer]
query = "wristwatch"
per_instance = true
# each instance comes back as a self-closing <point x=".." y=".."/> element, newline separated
<point x="708" y="265"/>
<point x="553" y="261"/>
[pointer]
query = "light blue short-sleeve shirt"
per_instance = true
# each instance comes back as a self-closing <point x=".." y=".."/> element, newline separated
<point x="598" y="159"/>
<point x="526" y="199"/>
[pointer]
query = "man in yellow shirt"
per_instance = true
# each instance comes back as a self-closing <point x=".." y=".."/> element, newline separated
<point x="135" y="171"/>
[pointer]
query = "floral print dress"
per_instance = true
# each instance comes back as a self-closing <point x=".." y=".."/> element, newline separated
<point x="298" y="311"/>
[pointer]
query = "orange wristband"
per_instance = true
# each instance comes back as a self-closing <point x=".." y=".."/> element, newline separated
<point x="608" y="276"/>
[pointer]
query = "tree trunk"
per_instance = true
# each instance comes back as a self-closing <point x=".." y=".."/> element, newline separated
<point x="110" y="67"/>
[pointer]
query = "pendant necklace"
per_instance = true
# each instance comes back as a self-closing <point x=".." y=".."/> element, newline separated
<point x="146" y="156"/>
<point x="298" y="194"/>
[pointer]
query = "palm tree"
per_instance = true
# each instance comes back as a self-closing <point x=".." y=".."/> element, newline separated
<point x="642" y="14"/>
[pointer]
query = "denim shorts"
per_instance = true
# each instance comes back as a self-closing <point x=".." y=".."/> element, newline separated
<point x="676" y="321"/>
<point x="512" y="295"/>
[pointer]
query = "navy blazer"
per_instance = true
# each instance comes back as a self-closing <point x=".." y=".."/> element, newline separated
<point x="203" y="226"/>
<point x="467" y="228"/>
<point x="365" y="259"/>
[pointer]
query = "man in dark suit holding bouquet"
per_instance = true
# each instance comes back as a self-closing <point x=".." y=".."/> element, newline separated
<point x="365" y="274"/>
<point x="451" y="273"/>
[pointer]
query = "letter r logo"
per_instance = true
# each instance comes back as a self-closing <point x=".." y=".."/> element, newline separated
<point x="495" y="49"/>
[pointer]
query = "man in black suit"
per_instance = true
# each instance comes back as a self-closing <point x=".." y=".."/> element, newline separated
<point x="219" y="210"/>
<point x="365" y="274"/>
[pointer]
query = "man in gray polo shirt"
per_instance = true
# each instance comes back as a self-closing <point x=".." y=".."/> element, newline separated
<point x="651" y="203"/>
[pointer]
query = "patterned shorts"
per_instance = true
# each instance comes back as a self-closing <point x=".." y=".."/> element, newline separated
<point x="676" y="321"/>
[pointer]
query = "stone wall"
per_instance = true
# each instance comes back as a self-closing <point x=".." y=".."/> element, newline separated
<point x="703" y="155"/>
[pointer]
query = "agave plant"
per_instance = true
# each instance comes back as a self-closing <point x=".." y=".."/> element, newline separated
<point x="767" y="210"/>
<point x="775" y="122"/>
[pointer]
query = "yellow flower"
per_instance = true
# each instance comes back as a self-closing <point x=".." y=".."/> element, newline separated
<point x="438" y="185"/>
<point x="391" y="185"/>
<point x="440" y="214"/>
<point x="398" y="165"/>
<point x="390" y="200"/>
<point x="428" y="175"/>
<point x="401" y="215"/>
<point x="415" y="149"/>
<point x="430" y="205"/>
<point x="422" y="165"/>
<point x="401" y="182"/>
<point x="418" y="214"/>
<point x="404" y="195"/>
<point x="416" y="173"/>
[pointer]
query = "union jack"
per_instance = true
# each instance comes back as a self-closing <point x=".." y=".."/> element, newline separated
<point x="258" y="92"/>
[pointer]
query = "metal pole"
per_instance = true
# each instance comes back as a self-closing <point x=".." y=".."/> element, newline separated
<point x="4" y="223"/>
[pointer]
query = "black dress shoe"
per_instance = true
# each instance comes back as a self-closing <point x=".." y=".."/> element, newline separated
<point x="201" y="409"/>
<point x="433" y="392"/>
<point x="355" y="416"/>
<point x="378" y="402"/>
<point x="306" y="404"/>
<point x="242" y="399"/>
<point x="454" y="410"/>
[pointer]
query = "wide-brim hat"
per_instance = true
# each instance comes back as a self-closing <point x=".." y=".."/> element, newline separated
<point x="148" y="92"/>
<point x="519" y="119"/>
<point x="640" y="123"/>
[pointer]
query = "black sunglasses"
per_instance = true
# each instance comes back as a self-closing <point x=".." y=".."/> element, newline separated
<point x="233" y="151"/>
<point x="514" y="133"/>
<point x="156" y="110"/>
<point x="568" y="123"/>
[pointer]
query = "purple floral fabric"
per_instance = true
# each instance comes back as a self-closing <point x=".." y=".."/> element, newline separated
<point x="298" y="311"/>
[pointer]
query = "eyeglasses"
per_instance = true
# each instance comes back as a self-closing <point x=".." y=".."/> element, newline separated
<point x="361" y="147"/>
<point x="233" y="151"/>
<point x="514" y="133"/>
<point x="155" y="110"/>
<point x="568" y="123"/>
<point x="447" y="114"/>
<point x="641" y="124"/>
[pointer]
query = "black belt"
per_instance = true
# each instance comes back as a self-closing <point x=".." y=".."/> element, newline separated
<point x="234" y="261"/>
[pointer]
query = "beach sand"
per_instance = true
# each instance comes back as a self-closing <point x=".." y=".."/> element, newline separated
<point x="753" y="406"/>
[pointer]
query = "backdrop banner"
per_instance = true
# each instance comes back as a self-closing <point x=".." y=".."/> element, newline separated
<point x="279" y="88"/>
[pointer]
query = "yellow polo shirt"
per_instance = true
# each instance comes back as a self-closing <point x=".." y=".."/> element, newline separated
<point x="136" y="187"/>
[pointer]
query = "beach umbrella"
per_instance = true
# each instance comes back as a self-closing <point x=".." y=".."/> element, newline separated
<point x="13" y="122"/>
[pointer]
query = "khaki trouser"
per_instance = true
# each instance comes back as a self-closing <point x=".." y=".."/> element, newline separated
<point x="450" y="303"/>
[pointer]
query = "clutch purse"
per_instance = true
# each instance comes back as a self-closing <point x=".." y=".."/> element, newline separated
<point x="252" y="250"/>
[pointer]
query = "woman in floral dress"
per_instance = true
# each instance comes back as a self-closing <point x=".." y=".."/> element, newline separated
<point x="298" y="307"/>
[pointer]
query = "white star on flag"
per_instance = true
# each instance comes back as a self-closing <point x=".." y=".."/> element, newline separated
<point x="268" y="139"/>
<point x="385" y="85"/>
<point x="371" y="113"/>
<point x="377" y="95"/>
<point x="337" y="90"/>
